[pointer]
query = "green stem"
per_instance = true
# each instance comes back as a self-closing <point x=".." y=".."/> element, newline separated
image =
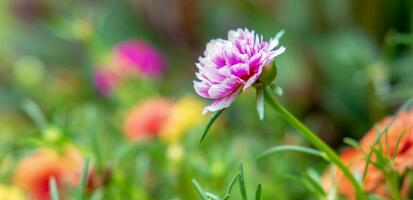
<point x="392" y="181"/>
<point x="316" y="141"/>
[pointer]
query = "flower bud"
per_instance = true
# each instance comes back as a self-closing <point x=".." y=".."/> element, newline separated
<point x="269" y="73"/>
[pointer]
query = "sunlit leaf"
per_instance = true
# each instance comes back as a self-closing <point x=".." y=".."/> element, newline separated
<point x="199" y="189"/>
<point x="212" y="196"/>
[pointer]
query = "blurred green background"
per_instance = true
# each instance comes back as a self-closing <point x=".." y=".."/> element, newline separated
<point x="347" y="65"/>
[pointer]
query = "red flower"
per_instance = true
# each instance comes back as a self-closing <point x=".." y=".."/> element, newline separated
<point x="34" y="172"/>
<point x="395" y="130"/>
<point x="147" y="119"/>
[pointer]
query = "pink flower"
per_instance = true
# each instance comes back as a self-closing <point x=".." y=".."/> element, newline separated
<point x="140" y="57"/>
<point x="106" y="80"/>
<point x="231" y="66"/>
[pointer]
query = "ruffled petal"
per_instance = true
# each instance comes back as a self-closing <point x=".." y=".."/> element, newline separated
<point x="201" y="88"/>
<point x="224" y="88"/>
<point x="240" y="70"/>
<point x="223" y="102"/>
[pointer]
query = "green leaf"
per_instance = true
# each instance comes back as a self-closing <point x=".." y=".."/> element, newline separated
<point x="406" y="105"/>
<point x="211" y="120"/>
<point x="352" y="142"/>
<point x="212" y="196"/>
<point x="231" y="185"/>
<point x="398" y="143"/>
<point x="258" y="193"/>
<point x="277" y="89"/>
<point x="241" y="181"/>
<point x="35" y="113"/>
<point x="81" y="187"/>
<point x="199" y="189"/>
<point x="260" y="101"/>
<point x="284" y="148"/>
<point x="54" y="194"/>
<point x="314" y="180"/>
<point x="91" y="118"/>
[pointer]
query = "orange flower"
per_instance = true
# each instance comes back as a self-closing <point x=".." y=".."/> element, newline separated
<point x="395" y="130"/>
<point x="147" y="119"/>
<point x="34" y="172"/>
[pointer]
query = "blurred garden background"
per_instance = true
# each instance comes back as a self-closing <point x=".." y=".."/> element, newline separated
<point x="110" y="83"/>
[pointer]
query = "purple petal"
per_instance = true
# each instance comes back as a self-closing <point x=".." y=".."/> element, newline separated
<point x="224" y="88"/>
<point x="240" y="70"/>
<point x="223" y="102"/>
<point x="201" y="88"/>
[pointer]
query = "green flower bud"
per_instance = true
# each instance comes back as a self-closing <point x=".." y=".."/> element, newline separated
<point x="269" y="73"/>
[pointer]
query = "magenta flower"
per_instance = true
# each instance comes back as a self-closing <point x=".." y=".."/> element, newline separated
<point x="105" y="80"/>
<point x="141" y="57"/>
<point x="231" y="66"/>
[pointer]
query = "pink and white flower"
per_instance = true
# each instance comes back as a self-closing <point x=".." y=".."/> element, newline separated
<point x="231" y="66"/>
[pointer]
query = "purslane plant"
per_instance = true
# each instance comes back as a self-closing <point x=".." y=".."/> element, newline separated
<point x="244" y="59"/>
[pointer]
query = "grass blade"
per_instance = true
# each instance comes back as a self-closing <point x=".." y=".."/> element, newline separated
<point x="407" y="105"/>
<point x="396" y="149"/>
<point x="354" y="143"/>
<point x="199" y="189"/>
<point x="81" y="187"/>
<point x="211" y="120"/>
<point x="35" y="113"/>
<point x="258" y="193"/>
<point x="212" y="196"/>
<point x="231" y="184"/>
<point x="241" y="181"/>
<point x="54" y="194"/>
<point x="284" y="148"/>
<point x="314" y="180"/>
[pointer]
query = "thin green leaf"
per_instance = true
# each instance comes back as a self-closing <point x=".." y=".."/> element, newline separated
<point x="241" y="181"/>
<point x="231" y="184"/>
<point x="91" y="117"/>
<point x="398" y="143"/>
<point x="199" y="189"/>
<point x="54" y="194"/>
<point x="260" y="101"/>
<point x="284" y="148"/>
<point x="35" y="113"/>
<point x="81" y="187"/>
<point x="303" y="180"/>
<point x="405" y="106"/>
<point x="352" y="142"/>
<point x="258" y="193"/>
<point x="211" y="120"/>
<point x="314" y="180"/>
<point x="212" y="196"/>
